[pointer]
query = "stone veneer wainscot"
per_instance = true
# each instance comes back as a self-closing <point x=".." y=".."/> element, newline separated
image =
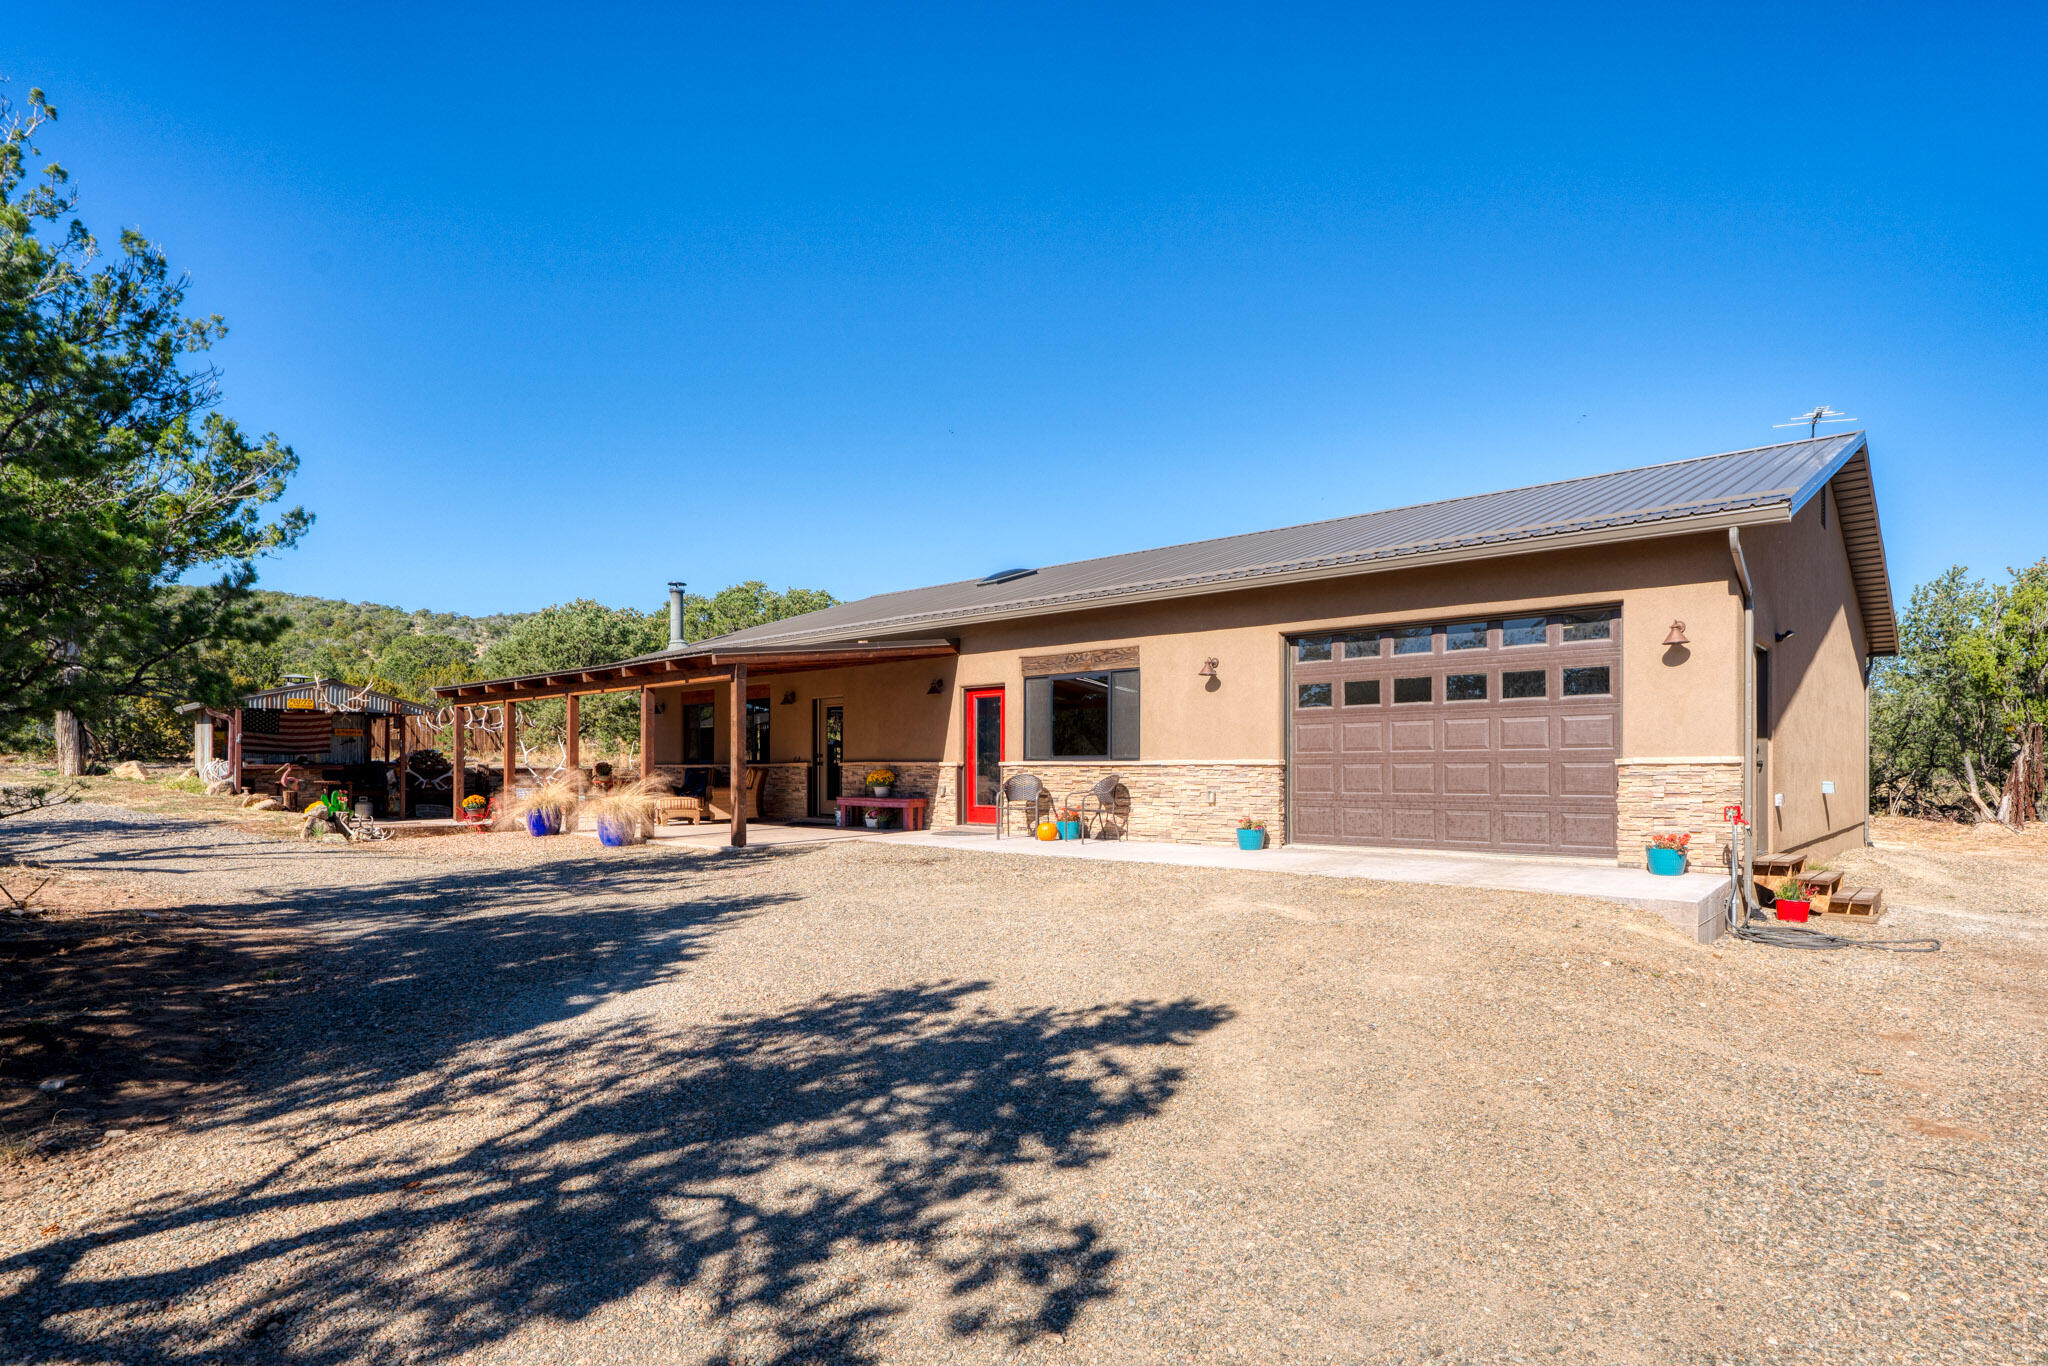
<point x="1170" y="801"/>
<point x="1665" y="796"/>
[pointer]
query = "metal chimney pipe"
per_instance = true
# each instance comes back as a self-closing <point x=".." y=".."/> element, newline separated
<point x="675" y="614"/>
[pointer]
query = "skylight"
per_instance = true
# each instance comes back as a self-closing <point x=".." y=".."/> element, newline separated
<point x="1006" y="575"/>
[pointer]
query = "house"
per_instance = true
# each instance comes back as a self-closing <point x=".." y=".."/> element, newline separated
<point x="1557" y="670"/>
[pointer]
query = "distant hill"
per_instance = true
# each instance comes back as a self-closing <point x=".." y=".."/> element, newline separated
<point x="366" y="642"/>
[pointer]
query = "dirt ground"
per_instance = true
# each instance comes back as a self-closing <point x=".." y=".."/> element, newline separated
<point x="494" y="1099"/>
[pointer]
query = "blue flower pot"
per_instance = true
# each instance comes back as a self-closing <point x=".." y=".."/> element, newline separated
<point x="1666" y="862"/>
<point x="1070" y="830"/>
<point x="609" y="832"/>
<point x="1251" y="839"/>
<point x="542" y="823"/>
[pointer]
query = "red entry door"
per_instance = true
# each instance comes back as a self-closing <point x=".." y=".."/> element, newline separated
<point x="984" y="753"/>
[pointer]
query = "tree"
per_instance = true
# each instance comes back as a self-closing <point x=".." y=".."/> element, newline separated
<point x="118" y="480"/>
<point x="747" y="604"/>
<point x="576" y="635"/>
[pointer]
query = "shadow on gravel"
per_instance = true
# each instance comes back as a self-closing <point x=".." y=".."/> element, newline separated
<point x="809" y="1172"/>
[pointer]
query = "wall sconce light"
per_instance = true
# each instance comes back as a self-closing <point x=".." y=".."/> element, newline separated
<point x="1784" y="636"/>
<point x="1208" y="669"/>
<point x="938" y="686"/>
<point x="1677" y="636"/>
<point x="660" y="707"/>
<point x="789" y="698"/>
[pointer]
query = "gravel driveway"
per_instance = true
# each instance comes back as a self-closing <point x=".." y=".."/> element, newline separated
<point x="543" y="1102"/>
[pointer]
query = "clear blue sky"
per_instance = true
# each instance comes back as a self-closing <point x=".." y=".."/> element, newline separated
<point x="568" y="301"/>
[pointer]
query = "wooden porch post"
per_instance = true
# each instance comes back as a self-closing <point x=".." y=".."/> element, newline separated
<point x="235" y="747"/>
<point x="511" y="753"/>
<point x="404" y="764"/>
<point x="572" y="749"/>
<point x="646" y="725"/>
<point x="457" y="791"/>
<point x="739" y="756"/>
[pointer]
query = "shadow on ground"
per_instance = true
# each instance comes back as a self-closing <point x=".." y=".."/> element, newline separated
<point x="458" y="1155"/>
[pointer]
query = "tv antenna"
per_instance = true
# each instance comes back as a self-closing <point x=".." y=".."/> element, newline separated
<point x="1811" y="421"/>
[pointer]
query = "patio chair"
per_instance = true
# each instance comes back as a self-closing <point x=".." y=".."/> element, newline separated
<point x="721" y="797"/>
<point x="691" y="802"/>
<point x="1018" y="790"/>
<point x="1098" y="803"/>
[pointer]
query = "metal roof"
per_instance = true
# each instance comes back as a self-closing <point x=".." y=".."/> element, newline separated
<point x="1765" y="484"/>
<point x="328" y="695"/>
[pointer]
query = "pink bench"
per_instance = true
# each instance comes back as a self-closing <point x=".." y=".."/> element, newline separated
<point x="913" y="808"/>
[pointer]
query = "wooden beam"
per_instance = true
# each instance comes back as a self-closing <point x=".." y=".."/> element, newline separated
<point x="572" y="747"/>
<point x="739" y="756"/>
<point x="511" y="752"/>
<point x="458" y="785"/>
<point x="235" y="748"/>
<point x="646" y="728"/>
<point x="404" y="764"/>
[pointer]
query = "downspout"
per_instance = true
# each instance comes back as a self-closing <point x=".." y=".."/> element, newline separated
<point x="1745" y="872"/>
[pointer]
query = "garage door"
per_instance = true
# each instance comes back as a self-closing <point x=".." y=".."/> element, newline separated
<point x="1488" y="735"/>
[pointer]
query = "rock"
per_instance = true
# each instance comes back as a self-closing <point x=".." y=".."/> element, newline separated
<point x="132" y="771"/>
<point x="220" y="787"/>
<point x="320" y="823"/>
<point x="265" y="804"/>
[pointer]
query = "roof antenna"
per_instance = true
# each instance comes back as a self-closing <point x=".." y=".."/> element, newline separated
<point x="1812" y="420"/>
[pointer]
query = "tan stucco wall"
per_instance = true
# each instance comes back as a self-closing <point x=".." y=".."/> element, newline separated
<point x="1819" y="728"/>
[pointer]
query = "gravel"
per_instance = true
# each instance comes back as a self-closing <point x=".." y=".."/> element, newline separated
<point x="538" y="1101"/>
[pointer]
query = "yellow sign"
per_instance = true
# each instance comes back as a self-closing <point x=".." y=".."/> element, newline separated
<point x="348" y="732"/>
<point x="298" y="704"/>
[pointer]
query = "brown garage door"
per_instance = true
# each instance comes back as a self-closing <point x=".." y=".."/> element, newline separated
<point x="1497" y="735"/>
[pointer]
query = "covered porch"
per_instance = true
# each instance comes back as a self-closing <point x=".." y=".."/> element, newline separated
<point x="766" y="735"/>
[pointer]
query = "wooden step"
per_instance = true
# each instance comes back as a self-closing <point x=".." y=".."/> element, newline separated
<point x="1862" y="902"/>
<point x="1820" y="888"/>
<point x="1778" y="865"/>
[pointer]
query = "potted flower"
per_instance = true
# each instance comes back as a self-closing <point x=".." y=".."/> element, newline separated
<point x="1790" y="905"/>
<point x="1666" y="854"/>
<point x="1251" y="834"/>
<point x="1070" y="823"/>
<point x="881" y="781"/>
<point x="473" y="806"/>
<point x="872" y="817"/>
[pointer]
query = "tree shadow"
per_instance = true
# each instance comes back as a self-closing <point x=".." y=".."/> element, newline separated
<point x="465" y="1158"/>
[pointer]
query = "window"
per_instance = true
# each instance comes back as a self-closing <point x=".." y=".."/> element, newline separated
<point x="1465" y="687"/>
<point x="1523" y="631"/>
<point x="1586" y="625"/>
<point x="700" y="729"/>
<point x="1590" y="682"/>
<point x="757" y="730"/>
<point x="1411" y="689"/>
<point x="1082" y="716"/>
<point x="1361" y="644"/>
<point x="1516" y="684"/>
<point x="1467" y="635"/>
<point x="1312" y="695"/>
<point x="1312" y="649"/>
<point x="1410" y="640"/>
<point x="1361" y="692"/>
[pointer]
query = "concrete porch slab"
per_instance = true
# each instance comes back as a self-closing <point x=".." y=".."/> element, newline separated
<point x="1696" y="903"/>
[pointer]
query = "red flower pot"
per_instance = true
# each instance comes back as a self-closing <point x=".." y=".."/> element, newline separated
<point x="1792" y="910"/>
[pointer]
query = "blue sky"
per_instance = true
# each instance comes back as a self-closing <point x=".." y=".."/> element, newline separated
<point x="568" y="301"/>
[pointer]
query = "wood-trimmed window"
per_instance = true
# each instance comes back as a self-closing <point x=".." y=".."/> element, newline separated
<point x="1091" y="715"/>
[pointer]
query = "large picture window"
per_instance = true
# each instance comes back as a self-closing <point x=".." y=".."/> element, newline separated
<point x="757" y="730"/>
<point x="1082" y="716"/>
<point x="700" y="730"/>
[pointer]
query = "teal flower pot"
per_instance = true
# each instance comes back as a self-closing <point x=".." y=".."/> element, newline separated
<point x="1251" y="839"/>
<point x="1666" y="862"/>
<point x="1070" y="830"/>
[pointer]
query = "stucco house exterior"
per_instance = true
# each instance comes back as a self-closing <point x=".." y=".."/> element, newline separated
<point x="1557" y="670"/>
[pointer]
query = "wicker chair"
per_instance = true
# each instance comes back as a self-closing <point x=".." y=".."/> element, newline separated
<point x="1099" y="803"/>
<point x="1019" y="790"/>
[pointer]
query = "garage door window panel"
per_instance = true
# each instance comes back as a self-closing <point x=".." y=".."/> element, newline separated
<point x="1591" y="681"/>
<point x="1308" y="695"/>
<point x="1360" y="644"/>
<point x="1520" y="631"/>
<point x="1412" y="640"/>
<point x="1361" y="692"/>
<point x="1312" y="650"/>
<point x="1578" y="627"/>
<point x="1524" y="685"/>
<point x="1464" y="687"/>
<point x="1411" y="690"/>
<point x="1465" y="635"/>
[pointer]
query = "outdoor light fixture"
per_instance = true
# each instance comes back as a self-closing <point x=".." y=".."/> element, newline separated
<point x="1208" y="669"/>
<point x="1784" y="636"/>
<point x="789" y="698"/>
<point x="938" y="686"/>
<point x="1677" y="636"/>
<point x="660" y="707"/>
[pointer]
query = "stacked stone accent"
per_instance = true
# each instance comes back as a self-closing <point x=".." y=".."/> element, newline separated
<point x="785" y="791"/>
<point x="937" y="783"/>
<point x="1171" y="801"/>
<point x="1658" y="797"/>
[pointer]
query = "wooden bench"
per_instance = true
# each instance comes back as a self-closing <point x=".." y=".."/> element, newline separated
<point x="913" y="808"/>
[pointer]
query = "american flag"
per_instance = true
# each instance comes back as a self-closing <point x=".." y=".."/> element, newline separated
<point x="270" y="731"/>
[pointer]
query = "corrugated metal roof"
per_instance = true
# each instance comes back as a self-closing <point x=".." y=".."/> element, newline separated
<point x="328" y="695"/>
<point x="1763" y="484"/>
